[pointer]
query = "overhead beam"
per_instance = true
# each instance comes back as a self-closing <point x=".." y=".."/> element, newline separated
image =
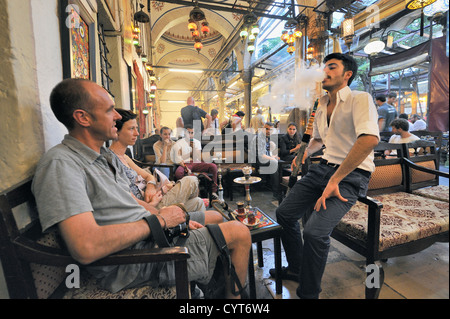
<point x="204" y="70"/>
<point x="190" y="90"/>
<point x="236" y="8"/>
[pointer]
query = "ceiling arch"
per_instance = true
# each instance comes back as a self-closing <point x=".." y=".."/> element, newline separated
<point x="180" y="15"/>
<point x="173" y="47"/>
<point x="184" y="57"/>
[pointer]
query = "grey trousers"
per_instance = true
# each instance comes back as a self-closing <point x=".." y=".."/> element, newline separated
<point x="308" y="255"/>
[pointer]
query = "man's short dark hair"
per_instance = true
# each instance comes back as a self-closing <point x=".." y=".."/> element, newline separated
<point x="381" y="97"/>
<point x="348" y="61"/>
<point x="188" y="126"/>
<point x="392" y="95"/>
<point x="400" y="124"/>
<point x="214" y="112"/>
<point x="403" y="116"/>
<point x="68" y="96"/>
<point x="164" y="128"/>
<point x="240" y="113"/>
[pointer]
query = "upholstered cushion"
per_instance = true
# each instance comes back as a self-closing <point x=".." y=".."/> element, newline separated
<point x="90" y="290"/>
<point x="404" y="218"/>
<point x="48" y="278"/>
<point x="440" y="192"/>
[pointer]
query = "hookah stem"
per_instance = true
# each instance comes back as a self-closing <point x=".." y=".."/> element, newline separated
<point x="305" y="140"/>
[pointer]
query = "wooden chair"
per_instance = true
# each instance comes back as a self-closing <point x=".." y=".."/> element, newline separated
<point x="392" y="222"/>
<point x="34" y="264"/>
<point x="144" y="149"/>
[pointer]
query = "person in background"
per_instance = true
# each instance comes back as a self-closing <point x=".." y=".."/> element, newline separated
<point x="405" y="116"/>
<point x="265" y="158"/>
<point x="179" y="128"/>
<point x="401" y="135"/>
<point x="92" y="208"/>
<point x="214" y="126"/>
<point x="391" y="99"/>
<point x="236" y="121"/>
<point x="289" y="143"/>
<point x="187" y="153"/>
<point x="191" y="113"/>
<point x="276" y="126"/>
<point x="257" y="121"/>
<point x="162" y="150"/>
<point x="418" y="123"/>
<point x="386" y="113"/>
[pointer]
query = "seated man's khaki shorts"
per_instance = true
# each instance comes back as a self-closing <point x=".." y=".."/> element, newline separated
<point x="201" y="264"/>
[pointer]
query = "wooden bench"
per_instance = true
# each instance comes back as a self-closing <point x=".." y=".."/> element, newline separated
<point x="391" y="221"/>
<point x="34" y="264"/>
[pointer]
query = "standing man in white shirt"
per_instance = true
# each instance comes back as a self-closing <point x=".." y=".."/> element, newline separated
<point x="346" y="123"/>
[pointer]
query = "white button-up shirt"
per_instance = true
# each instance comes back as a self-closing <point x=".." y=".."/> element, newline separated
<point x="355" y="114"/>
<point x="182" y="151"/>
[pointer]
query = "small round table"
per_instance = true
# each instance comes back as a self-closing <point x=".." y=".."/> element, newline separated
<point x="247" y="181"/>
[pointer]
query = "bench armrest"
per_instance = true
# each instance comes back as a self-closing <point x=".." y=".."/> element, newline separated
<point x="36" y="253"/>
<point x="373" y="226"/>
<point x="424" y="169"/>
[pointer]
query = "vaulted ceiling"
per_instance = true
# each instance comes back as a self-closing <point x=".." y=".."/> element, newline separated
<point x="173" y="48"/>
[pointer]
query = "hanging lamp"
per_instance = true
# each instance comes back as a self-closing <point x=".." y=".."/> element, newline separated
<point x="419" y="4"/>
<point x="141" y="16"/>
<point x="348" y="29"/>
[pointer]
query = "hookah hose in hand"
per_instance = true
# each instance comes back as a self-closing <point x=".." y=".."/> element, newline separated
<point x="304" y="143"/>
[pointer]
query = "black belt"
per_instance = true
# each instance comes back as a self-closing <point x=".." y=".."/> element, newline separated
<point x="359" y="170"/>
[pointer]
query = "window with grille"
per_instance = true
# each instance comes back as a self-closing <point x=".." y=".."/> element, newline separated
<point x="104" y="63"/>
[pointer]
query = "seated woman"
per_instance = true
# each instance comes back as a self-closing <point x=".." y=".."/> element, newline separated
<point x="162" y="150"/>
<point x="289" y="143"/>
<point x="184" y="191"/>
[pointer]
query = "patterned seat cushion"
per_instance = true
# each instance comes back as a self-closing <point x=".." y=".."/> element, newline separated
<point x="90" y="290"/>
<point x="440" y="192"/>
<point x="404" y="218"/>
<point x="48" y="278"/>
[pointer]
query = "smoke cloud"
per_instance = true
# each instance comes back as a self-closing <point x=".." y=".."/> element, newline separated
<point x="293" y="89"/>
